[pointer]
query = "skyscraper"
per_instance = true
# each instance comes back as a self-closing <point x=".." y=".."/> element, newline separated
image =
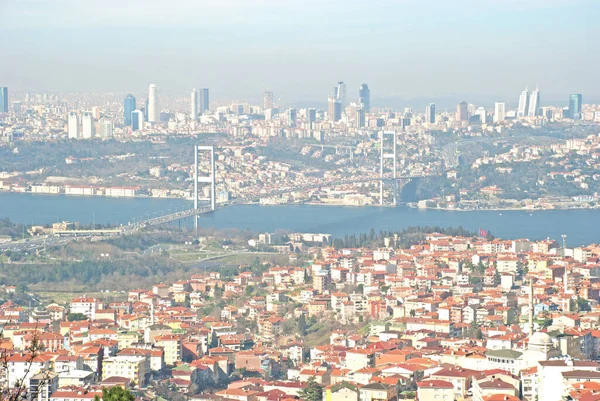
<point x="462" y="111"/>
<point x="204" y="100"/>
<point x="128" y="108"/>
<point x="137" y="120"/>
<point x="153" y="108"/>
<point x="499" y="112"/>
<point x="364" y="97"/>
<point x="3" y="99"/>
<point x="194" y="104"/>
<point x="430" y="113"/>
<point x="575" y="101"/>
<point x="340" y="92"/>
<point x="73" y="125"/>
<point x="359" y="119"/>
<point x="87" y="125"/>
<point x="534" y="103"/>
<point x="311" y="117"/>
<point x="523" y="103"/>
<point x="334" y="109"/>
<point x="482" y="113"/>
<point x="267" y="100"/>
<point x="292" y="117"/>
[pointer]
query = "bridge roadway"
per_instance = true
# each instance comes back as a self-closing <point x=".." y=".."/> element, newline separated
<point x="168" y="218"/>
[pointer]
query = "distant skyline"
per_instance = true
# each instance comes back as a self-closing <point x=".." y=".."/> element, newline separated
<point x="481" y="51"/>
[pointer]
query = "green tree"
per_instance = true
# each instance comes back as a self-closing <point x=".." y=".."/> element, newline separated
<point x="76" y="317"/>
<point x="312" y="392"/>
<point x="115" y="393"/>
<point x="583" y="305"/>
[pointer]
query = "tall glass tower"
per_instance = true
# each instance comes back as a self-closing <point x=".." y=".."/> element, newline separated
<point x="128" y="108"/>
<point x="3" y="99"/>
<point x="204" y="101"/>
<point x="523" y="103"/>
<point x="430" y="113"/>
<point x="364" y="97"/>
<point x="575" y="101"/>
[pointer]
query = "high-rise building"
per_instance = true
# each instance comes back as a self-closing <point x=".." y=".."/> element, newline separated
<point x="292" y="117"/>
<point x="534" y="103"/>
<point x="204" y="100"/>
<point x="523" y="103"/>
<point x="311" y="117"/>
<point x="364" y="97"/>
<point x="340" y="92"/>
<point x="3" y="99"/>
<point x="106" y="129"/>
<point x="153" y="107"/>
<point x="482" y="113"/>
<point x="575" y="102"/>
<point x="137" y="120"/>
<point x="128" y="108"/>
<point x="194" y="104"/>
<point x="430" y="113"/>
<point x="462" y="111"/>
<point x="360" y="119"/>
<point x="16" y="106"/>
<point x="334" y="109"/>
<point x="145" y="110"/>
<point x="73" y="125"/>
<point x="267" y="100"/>
<point x="471" y="109"/>
<point x="499" y="112"/>
<point x="87" y="125"/>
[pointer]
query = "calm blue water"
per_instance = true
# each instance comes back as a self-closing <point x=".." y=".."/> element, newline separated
<point x="581" y="226"/>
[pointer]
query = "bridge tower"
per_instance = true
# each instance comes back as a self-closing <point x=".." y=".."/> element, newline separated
<point x="388" y="151"/>
<point x="210" y="179"/>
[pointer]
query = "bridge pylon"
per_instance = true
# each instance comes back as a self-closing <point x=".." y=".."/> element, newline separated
<point x="388" y="151"/>
<point x="201" y="151"/>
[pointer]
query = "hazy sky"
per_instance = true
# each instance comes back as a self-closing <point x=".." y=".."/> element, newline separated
<point x="404" y="49"/>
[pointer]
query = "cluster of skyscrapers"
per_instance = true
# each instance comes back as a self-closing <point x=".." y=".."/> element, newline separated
<point x="134" y="117"/>
<point x="336" y="103"/>
<point x="199" y="102"/>
<point x="84" y="126"/>
<point x="529" y="103"/>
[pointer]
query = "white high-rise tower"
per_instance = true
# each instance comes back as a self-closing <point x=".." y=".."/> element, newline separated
<point x="87" y="125"/>
<point x="523" y="103"/>
<point x="73" y="125"/>
<point x="194" y="104"/>
<point x="499" y="112"/>
<point x="534" y="103"/>
<point x="153" y="110"/>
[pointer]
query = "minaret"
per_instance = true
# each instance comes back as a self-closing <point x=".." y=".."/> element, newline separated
<point x="152" y="312"/>
<point x="530" y="307"/>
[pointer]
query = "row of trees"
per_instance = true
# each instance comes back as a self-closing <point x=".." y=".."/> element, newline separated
<point x="405" y="238"/>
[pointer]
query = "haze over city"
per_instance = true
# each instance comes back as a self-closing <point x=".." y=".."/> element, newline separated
<point x="408" y="51"/>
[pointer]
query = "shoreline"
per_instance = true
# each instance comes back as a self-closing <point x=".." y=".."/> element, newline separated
<point x="495" y="209"/>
